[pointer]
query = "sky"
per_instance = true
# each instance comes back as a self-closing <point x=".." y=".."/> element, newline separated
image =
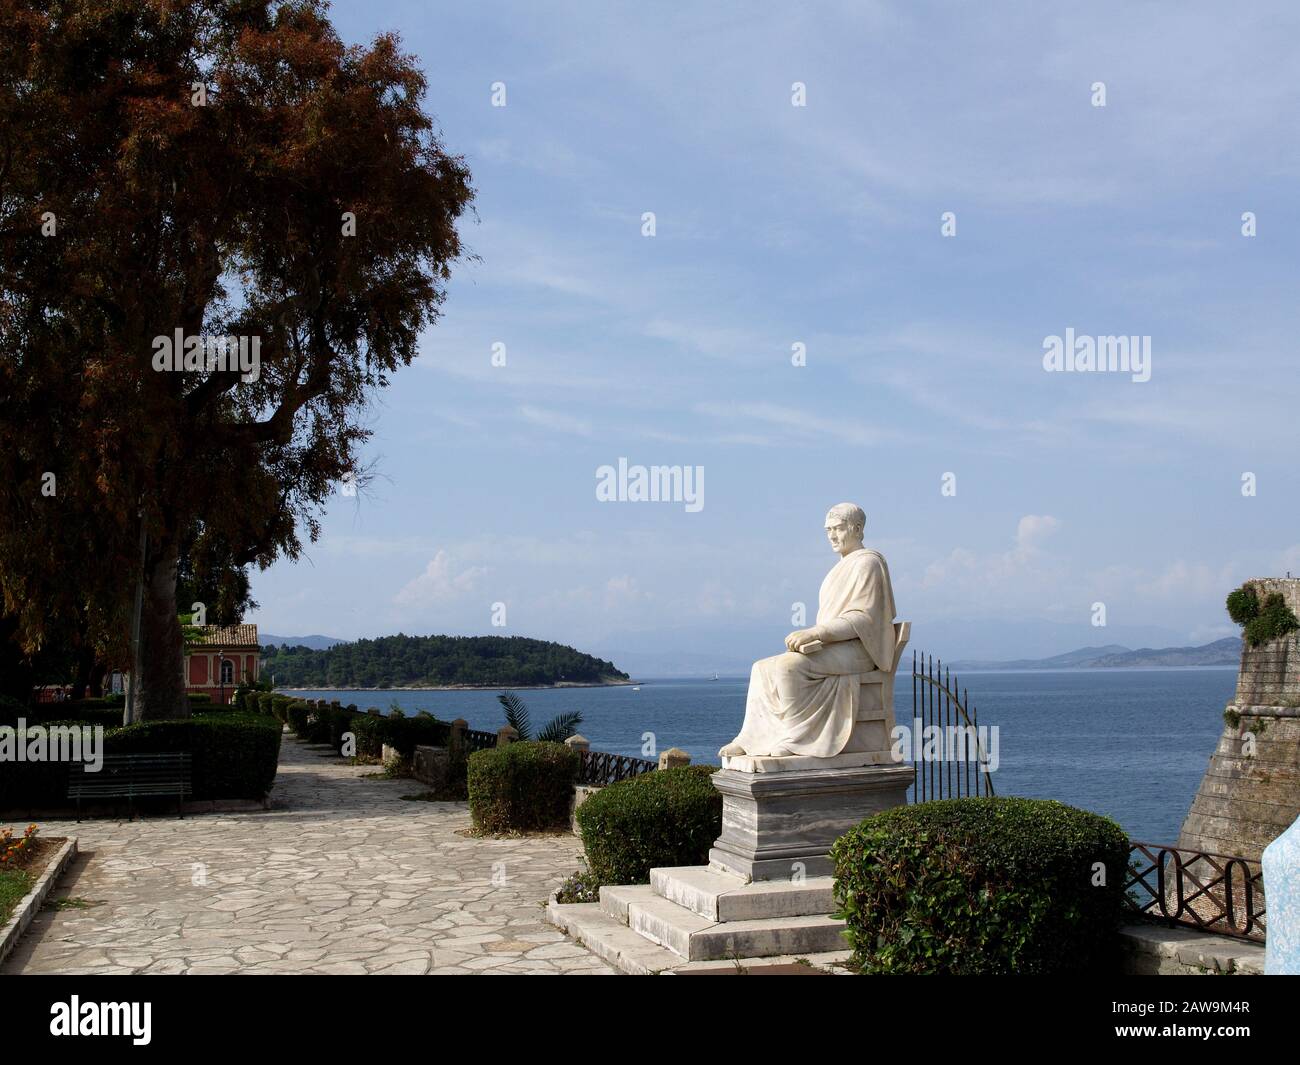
<point x="944" y="195"/>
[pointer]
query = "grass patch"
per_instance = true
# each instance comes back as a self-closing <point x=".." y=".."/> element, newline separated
<point x="73" y="903"/>
<point x="14" y="885"/>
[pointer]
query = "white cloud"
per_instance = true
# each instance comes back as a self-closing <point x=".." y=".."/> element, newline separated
<point x="555" y="420"/>
<point x="438" y="583"/>
<point x="1033" y="529"/>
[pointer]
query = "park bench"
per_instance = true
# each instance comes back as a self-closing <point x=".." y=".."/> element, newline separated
<point x="134" y="775"/>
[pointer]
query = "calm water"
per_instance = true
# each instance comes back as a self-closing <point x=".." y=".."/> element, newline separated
<point x="1131" y="744"/>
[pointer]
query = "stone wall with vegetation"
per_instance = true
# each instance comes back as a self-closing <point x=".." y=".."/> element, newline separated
<point x="1251" y="788"/>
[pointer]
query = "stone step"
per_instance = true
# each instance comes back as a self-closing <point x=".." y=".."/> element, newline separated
<point x="610" y="939"/>
<point x="697" y="938"/>
<point x="722" y="897"/>
<point x="614" y="900"/>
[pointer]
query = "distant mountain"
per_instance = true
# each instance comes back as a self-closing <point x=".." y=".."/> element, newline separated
<point x="1225" y="652"/>
<point x="316" y="643"/>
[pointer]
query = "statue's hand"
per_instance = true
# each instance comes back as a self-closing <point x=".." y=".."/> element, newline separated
<point x="799" y="638"/>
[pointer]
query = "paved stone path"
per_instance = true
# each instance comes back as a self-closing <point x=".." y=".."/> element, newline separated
<point x="339" y="876"/>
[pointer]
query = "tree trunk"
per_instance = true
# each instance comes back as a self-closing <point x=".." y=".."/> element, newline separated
<point x="95" y="686"/>
<point x="161" y="653"/>
<point x="85" y="666"/>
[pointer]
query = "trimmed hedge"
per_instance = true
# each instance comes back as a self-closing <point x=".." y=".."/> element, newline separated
<point x="982" y="886"/>
<point x="294" y="714"/>
<point x="404" y="734"/>
<point x="11" y="710"/>
<point x="233" y="756"/>
<point x="521" y="786"/>
<point x="667" y="817"/>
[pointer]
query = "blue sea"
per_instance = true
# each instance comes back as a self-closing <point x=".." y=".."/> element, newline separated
<point x="1131" y="744"/>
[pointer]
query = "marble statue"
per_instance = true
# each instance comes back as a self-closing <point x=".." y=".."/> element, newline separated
<point x="1281" y="863"/>
<point x="804" y="702"/>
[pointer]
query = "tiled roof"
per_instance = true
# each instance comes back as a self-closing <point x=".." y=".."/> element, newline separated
<point x="225" y="636"/>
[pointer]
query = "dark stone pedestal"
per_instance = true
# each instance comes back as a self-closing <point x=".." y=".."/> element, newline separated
<point x="779" y="826"/>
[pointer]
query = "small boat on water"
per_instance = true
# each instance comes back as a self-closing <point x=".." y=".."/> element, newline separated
<point x="636" y="689"/>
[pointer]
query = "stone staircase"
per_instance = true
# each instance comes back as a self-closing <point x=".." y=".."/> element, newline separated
<point x="696" y="917"/>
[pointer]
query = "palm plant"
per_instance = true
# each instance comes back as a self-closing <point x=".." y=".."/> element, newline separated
<point x="557" y="730"/>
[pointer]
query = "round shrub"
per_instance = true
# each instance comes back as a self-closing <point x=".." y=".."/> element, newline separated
<point x="404" y="734"/>
<point x="295" y="714"/>
<point x="521" y="786"/>
<point x="338" y="722"/>
<point x="663" y="818"/>
<point x="982" y="886"/>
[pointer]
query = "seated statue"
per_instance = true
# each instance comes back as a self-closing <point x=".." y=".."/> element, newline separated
<point x="804" y="702"/>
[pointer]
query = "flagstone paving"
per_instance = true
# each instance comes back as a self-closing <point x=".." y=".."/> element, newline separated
<point x="339" y="876"/>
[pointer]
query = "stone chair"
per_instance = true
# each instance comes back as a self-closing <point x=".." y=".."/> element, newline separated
<point x="875" y="717"/>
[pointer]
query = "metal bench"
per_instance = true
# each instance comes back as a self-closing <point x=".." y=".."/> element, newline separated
<point x="134" y="775"/>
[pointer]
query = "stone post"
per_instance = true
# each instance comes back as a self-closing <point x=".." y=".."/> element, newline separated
<point x="673" y="757"/>
<point x="456" y="739"/>
<point x="581" y="792"/>
<point x="506" y="736"/>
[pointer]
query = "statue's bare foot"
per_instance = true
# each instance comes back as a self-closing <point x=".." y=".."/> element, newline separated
<point x="731" y="750"/>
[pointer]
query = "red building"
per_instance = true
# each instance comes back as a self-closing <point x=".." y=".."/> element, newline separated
<point x="221" y="657"/>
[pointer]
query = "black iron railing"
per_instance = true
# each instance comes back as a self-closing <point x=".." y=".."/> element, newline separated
<point x="1211" y="892"/>
<point x="478" y="740"/>
<point x="599" y="768"/>
<point x="949" y="753"/>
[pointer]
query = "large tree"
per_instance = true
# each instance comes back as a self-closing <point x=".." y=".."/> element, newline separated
<point x="183" y="169"/>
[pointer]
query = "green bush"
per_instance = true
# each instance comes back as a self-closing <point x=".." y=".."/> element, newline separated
<point x="339" y="722"/>
<point x="108" y="717"/>
<point x="295" y="716"/>
<point x="368" y="730"/>
<point x="233" y="756"/>
<point x="279" y="705"/>
<point x="521" y="786"/>
<point x="404" y="734"/>
<point x="662" y="818"/>
<point x="982" y="886"/>
<point x="1261" y="622"/>
<point x="318" y="721"/>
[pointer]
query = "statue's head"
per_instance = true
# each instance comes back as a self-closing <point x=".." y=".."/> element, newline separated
<point x="845" y="523"/>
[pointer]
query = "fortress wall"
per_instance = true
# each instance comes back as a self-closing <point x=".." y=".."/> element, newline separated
<point x="1248" y="797"/>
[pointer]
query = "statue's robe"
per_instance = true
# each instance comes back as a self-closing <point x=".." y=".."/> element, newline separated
<point x="807" y="704"/>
